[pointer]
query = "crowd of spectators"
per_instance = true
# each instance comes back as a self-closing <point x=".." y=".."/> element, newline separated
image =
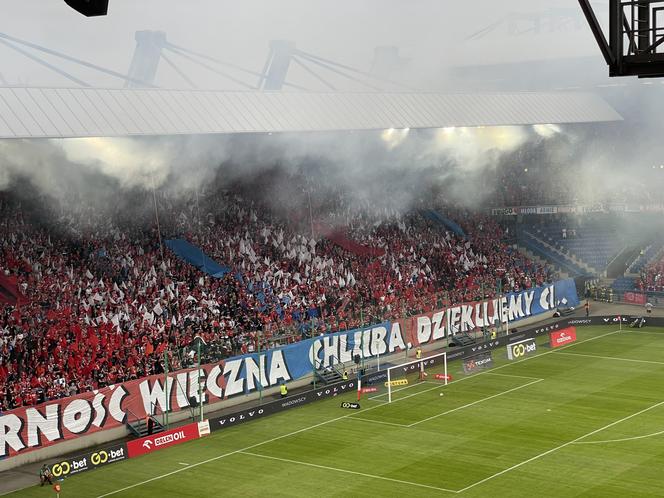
<point x="651" y="278"/>
<point x="105" y="300"/>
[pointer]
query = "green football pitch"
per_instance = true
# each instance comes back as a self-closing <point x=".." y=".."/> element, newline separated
<point x="583" y="420"/>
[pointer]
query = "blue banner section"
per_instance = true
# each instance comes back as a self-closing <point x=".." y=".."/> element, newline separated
<point x="296" y="360"/>
<point x="196" y="257"/>
<point x="249" y="372"/>
<point x="560" y="294"/>
<point x="446" y="222"/>
<point x="566" y="293"/>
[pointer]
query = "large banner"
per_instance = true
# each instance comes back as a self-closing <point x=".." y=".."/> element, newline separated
<point x="573" y="208"/>
<point x="28" y="428"/>
<point x="634" y="297"/>
<point x="509" y="308"/>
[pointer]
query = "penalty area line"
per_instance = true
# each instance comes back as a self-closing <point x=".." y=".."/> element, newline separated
<point x="346" y="471"/>
<point x="224" y="455"/>
<point x="568" y="443"/>
<point x="475" y="402"/>
<point x="615" y="358"/>
<point x="621" y="440"/>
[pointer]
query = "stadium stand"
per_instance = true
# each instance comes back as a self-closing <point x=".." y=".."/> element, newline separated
<point x="652" y="277"/>
<point x="585" y="243"/>
<point x="98" y="297"/>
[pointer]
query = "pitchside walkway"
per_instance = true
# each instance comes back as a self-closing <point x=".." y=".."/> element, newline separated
<point x="27" y="475"/>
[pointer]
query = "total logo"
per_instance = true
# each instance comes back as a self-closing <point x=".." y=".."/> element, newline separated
<point x="103" y="456"/>
<point x="69" y="467"/>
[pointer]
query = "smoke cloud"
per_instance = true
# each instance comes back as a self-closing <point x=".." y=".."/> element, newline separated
<point x="366" y="166"/>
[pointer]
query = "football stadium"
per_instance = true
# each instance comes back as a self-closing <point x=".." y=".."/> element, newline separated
<point x="300" y="248"/>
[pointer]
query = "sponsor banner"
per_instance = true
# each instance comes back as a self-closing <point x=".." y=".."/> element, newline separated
<point x="447" y="377"/>
<point x="476" y="362"/>
<point x="398" y="382"/>
<point x="150" y="444"/>
<point x="614" y="320"/>
<point x="573" y="208"/>
<point x="634" y="298"/>
<point x="580" y="321"/>
<point x="520" y="349"/>
<point x="508" y="211"/>
<point x="562" y="337"/>
<point x="203" y="428"/>
<point x="350" y="406"/>
<point x="89" y="461"/>
<point x="375" y="377"/>
<point x="248" y="414"/>
<point x="368" y="390"/>
<point x="28" y="428"/>
<point x="430" y="327"/>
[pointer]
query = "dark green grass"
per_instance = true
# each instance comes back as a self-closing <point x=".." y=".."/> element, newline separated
<point x="504" y="432"/>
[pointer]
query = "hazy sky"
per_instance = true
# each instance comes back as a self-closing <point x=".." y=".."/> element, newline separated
<point x="433" y="34"/>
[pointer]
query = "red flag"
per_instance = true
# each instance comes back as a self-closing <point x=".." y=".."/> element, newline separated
<point x="9" y="293"/>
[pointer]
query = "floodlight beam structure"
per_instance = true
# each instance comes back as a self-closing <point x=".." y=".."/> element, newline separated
<point x="635" y="37"/>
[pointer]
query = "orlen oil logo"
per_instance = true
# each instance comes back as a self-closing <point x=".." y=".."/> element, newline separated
<point x="562" y="337"/>
<point x="168" y="438"/>
<point x="69" y="467"/>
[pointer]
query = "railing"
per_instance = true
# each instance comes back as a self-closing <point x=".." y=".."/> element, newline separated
<point x="134" y="420"/>
<point x="641" y="298"/>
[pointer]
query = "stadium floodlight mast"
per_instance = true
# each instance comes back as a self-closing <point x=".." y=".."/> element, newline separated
<point x="416" y="366"/>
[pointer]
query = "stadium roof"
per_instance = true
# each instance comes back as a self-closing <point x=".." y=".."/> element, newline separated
<point x="96" y="112"/>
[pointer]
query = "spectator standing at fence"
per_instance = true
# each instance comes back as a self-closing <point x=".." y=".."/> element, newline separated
<point x="283" y="390"/>
<point x="587" y="307"/>
<point x="648" y="308"/>
<point x="45" y="475"/>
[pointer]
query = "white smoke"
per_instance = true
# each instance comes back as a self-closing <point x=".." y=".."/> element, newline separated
<point x="363" y="163"/>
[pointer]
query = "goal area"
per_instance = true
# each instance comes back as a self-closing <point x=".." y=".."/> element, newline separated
<point x="428" y="369"/>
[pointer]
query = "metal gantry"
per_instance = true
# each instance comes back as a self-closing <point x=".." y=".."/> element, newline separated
<point x="635" y="45"/>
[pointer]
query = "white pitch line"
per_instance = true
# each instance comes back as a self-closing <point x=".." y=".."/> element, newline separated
<point x="617" y="358"/>
<point x="182" y="463"/>
<point x="548" y="452"/>
<point x="393" y="391"/>
<point x="17" y="490"/>
<point x="224" y="455"/>
<point x="332" y="420"/>
<point x="475" y="402"/>
<point x="377" y="421"/>
<point x="645" y="332"/>
<point x="325" y="467"/>
<point x="633" y="438"/>
<point x="515" y="376"/>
